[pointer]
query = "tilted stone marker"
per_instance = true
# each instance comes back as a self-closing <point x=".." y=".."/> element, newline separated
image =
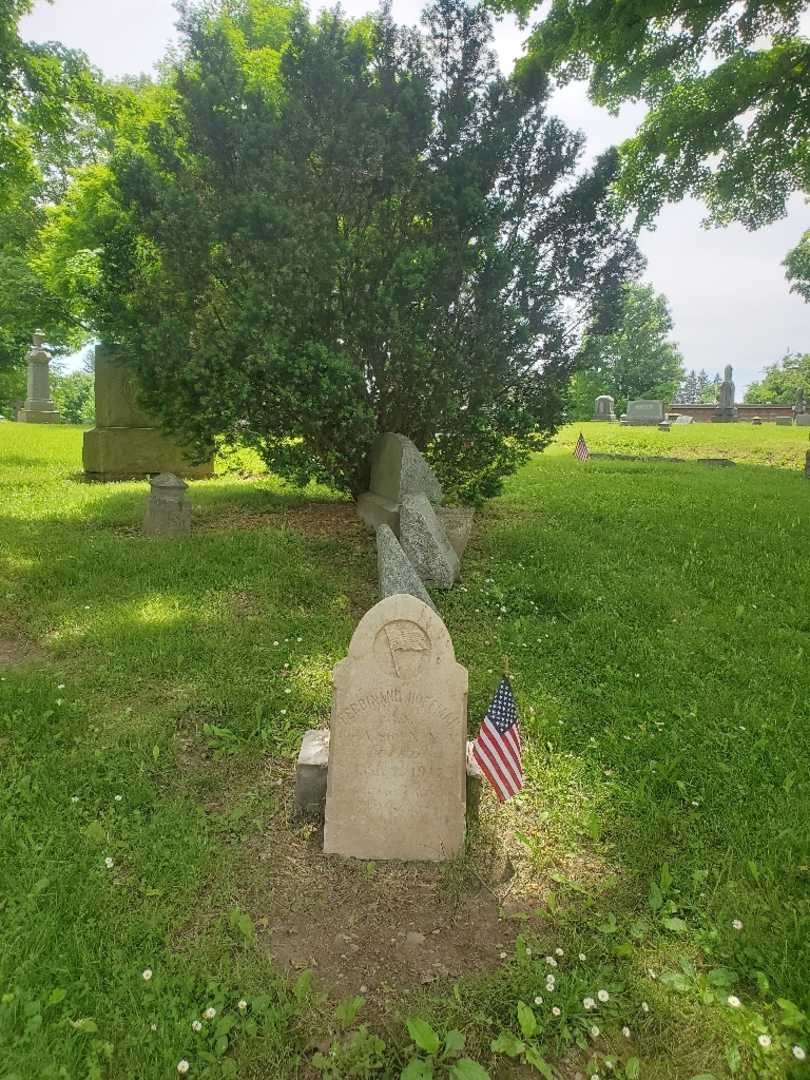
<point x="684" y="420"/>
<point x="603" y="409"/>
<point x="425" y="542"/>
<point x="397" y="469"/>
<point x="126" y="443"/>
<point x="642" y="413"/>
<point x="38" y="407"/>
<point x="167" y="512"/>
<point x="396" y="572"/>
<point x="458" y="523"/>
<point x="396" y="783"/>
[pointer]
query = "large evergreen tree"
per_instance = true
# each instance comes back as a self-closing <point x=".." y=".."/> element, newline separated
<point x="345" y="228"/>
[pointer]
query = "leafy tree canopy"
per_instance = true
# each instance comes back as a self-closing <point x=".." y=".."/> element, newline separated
<point x="797" y="266"/>
<point x="783" y="381"/>
<point x="369" y="230"/>
<point x="727" y="83"/>
<point x="636" y="359"/>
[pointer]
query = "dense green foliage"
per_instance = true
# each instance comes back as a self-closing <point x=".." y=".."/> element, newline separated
<point x="370" y="230"/>
<point x="797" y="267"/>
<point x="636" y="359"/>
<point x="728" y="85"/>
<point x="663" y="704"/>
<point x="783" y="381"/>
<point x="698" y="387"/>
<point x="74" y="396"/>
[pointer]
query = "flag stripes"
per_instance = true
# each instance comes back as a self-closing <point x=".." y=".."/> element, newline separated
<point x="497" y="749"/>
<point x="581" y="452"/>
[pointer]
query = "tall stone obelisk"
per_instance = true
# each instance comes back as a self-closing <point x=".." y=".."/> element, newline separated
<point x="38" y="407"/>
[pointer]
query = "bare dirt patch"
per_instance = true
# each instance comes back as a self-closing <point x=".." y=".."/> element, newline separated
<point x="16" y="652"/>
<point x="315" y="519"/>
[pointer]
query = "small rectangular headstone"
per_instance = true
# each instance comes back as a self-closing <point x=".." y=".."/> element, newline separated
<point x="645" y="412"/>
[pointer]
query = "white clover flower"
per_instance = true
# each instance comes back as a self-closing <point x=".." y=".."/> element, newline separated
<point x="183" y="1067"/>
<point x="196" y="1025"/>
<point x="503" y="956"/>
<point x="651" y="973"/>
<point x="538" y="1000"/>
<point x="119" y="798"/>
<point x="60" y="686"/>
<point x="74" y="798"/>
<point x="764" y="1040"/>
<point x="645" y="1007"/>
<point x="588" y="1003"/>
<point x="733" y="1001"/>
<point x="242" y="1006"/>
<point x="603" y="995"/>
<point x="559" y="952"/>
<point x="594" y="1032"/>
<point x="153" y="1027"/>
<point x="799" y="1053"/>
<point x="737" y="924"/>
<point x="626" y="1032"/>
<point x="109" y="863"/>
<point x="551" y="961"/>
<point x="288" y="691"/>
<point x="147" y="974"/>
<point x="528" y="951"/>
<point x="555" y="1011"/>
<point x="299" y="639"/>
<point x="583" y="957"/>
<point x="275" y="643"/>
<point x="209" y="1013"/>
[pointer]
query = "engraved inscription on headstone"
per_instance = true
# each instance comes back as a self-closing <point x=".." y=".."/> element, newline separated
<point x="396" y="786"/>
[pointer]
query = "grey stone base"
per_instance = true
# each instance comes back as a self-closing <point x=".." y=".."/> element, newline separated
<point x="166" y="518"/>
<point x="664" y="425"/>
<point x="803" y="420"/>
<point x="784" y="421"/>
<point x="135" y="453"/>
<point x="312" y="770"/>
<point x="37" y="416"/>
<point x="375" y="511"/>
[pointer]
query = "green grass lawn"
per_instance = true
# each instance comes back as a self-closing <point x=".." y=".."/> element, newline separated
<point x="655" y="618"/>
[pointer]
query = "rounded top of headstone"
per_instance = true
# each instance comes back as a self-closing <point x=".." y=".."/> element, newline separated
<point x="168" y="481"/>
<point x="728" y="372"/>
<point x="605" y="397"/>
<point x="38" y="338"/>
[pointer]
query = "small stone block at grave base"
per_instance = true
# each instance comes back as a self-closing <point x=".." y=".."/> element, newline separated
<point x="756" y="421"/>
<point x="458" y="523"/>
<point x="167" y="512"/>
<point x="784" y="421"/>
<point x="397" y="778"/>
<point x="684" y="420"/>
<point x="803" y="420"/>
<point x="664" y="425"/>
<point x="310" y="773"/>
<point x="396" y="574"/>
<point x="425" y="542"/>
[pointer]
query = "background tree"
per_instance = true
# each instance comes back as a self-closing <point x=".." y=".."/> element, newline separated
<point x="74" y="396"/>
<point x="797" y="267"/>
<point x="345" y="228"/>
<point x="782" y="381"/>
<point x="636" y="359"/>
<point x="727" y="83"/>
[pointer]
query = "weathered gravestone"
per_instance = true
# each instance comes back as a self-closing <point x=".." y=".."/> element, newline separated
<point x="38" y="407"/>
<point x="603" y="409"/>
<point x="167" y="512"/>
<point x="396" y="782"/>
<point x="757" y="421"/>
<point x="803" y="419"/>
<point x="641" y="413"/>
<point x="664" y="425"/>
<point x="395" y="571"/>
<point x="126" y="443"/>
<point x="726" y="408"/>
<point x="397" y="469"/>
<point x="784" y="421"/>
<point x="684" y="419"/>
<point x="426" y="543"/>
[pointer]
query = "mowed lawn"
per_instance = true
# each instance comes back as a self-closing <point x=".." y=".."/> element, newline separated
<point x="655" y="619"/>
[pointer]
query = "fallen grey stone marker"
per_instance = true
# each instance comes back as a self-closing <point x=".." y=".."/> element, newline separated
<point x="396" y="574"/>
<point x="312" y="771"/>
<point x="425" y="542"/>
<point x="458" y="523"/>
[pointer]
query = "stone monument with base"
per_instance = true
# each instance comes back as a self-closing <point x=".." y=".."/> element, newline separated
<point x="167" y="512"/>
<point x="800" y="413"/>
<point x="644" y="413"/>
<point x="397" y="747"/>
<point x="38" y="407"/>
<point x="126" y="443"/>
<point x="726" y="408"/>
<point x="603" y="410"/>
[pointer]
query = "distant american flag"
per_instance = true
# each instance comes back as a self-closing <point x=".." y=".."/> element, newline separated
<point x="581" y="449"/>
<point x="497" y="750"/>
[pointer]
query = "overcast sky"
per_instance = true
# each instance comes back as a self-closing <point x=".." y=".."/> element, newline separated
<point x="726" y="287"/>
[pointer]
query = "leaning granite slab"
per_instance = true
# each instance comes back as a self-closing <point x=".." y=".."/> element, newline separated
<point x="397" y="469"/>
<point x="396" y="572"/>
<point x="425" y="542"/>
<point x="458" y="523"/>
<point x="396" y="779"/>
<point x="312" y="771"/>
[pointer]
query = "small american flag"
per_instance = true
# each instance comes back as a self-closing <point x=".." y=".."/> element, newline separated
<point x="497" y="749"/>
<point x="581" y="449"/>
